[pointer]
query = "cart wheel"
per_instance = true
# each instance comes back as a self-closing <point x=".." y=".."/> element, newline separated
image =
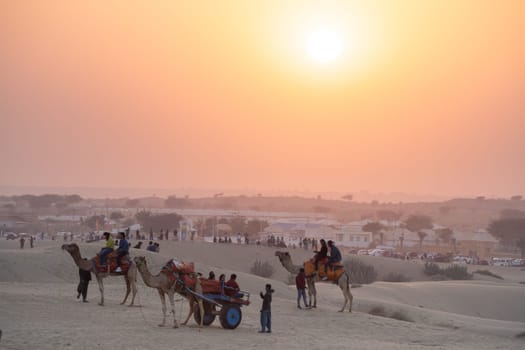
<point x="230" y="316"/>
<point x="209" y="317"/>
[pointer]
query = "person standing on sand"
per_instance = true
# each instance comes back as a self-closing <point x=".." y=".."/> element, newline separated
<point x="22" y="241"/>
<point x="266" y="310"/>
<point x="85" y="277"/>
<point x="31" y="241"/>
<point x="300" y="283"/>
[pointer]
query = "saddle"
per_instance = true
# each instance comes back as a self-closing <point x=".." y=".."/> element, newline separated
<point x="185" y="272"/>
<point x="179" y="270"/>
<point x="111" y="260"/>
<point x="332" y="273"/>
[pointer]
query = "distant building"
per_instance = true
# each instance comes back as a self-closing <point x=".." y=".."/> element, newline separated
<point x="479" y="243"/>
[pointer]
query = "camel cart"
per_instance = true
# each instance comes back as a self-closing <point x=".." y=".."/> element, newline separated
<point x="228" y="308"/>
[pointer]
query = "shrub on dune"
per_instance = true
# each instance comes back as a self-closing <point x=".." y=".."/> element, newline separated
<point x="262" y="269"/>
<point x="396" y="277"/>
<point x="359" y="272"/>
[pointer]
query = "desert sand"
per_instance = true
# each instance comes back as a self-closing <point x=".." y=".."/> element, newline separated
<point x="39" y="309"/>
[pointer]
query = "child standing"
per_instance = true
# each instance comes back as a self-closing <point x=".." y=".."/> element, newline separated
<point x="266" y="310"/>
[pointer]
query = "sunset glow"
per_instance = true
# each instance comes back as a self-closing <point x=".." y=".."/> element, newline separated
<point x="324" y="45"/>
<point x="410" y="96"/>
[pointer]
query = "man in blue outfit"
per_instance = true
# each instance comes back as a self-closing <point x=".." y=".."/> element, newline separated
<point x="122" y="250"/>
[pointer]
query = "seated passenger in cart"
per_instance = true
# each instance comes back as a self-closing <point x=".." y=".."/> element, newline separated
<point x="231" y="288"/>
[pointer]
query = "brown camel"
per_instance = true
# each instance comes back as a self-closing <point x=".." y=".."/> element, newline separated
<point x="165" y="285"/>
<point x="87" y="265"/>
<point x="343" y="281"/>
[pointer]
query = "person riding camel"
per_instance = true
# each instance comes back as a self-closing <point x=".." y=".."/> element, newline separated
<point x="122" y="250"/>
<point x="108" y="248"/>
<point x="335" y="257"/>
<point x="321" y="254"/>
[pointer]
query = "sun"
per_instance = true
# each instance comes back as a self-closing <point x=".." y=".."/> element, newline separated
<point x="324" y="45"/>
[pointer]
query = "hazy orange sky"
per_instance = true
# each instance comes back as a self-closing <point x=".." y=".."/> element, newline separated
<point x="426" y="96"/>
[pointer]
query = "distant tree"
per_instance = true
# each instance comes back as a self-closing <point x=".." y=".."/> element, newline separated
<point x="128" y="222"/>
<point x="516" y="198"/>
<point x="367" y="216"/>
<point x="321" y="209"/>
<point x="347" y="197"/>
<point x="174" y="202"/>
<point x="132" y="203"/>
<point x="510" y="231"/>
<point x="39" y="202"/>
<point x="96" y="220"/>
<point x="421" y="235"/>
<point x="116" y="215"/>
<point x="238" y="224"/>
<point x="158" y="222"/>
<point x="72" y="199"/>
<point x="209" y="225"/>
<point x="445" y="210"/>
<point x="418" y="223"/>
<point x="375" y="228"/>
<point x="388" y="215"/>
<point x="445" y="234"/>
<point x="10" y="206"/>
<point x="142" y="215"/>
<point x="253" y="227"/>
<point x="511" y="213"/>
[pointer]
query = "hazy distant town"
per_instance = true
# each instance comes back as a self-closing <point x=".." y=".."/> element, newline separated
<point x="475" y="228"/>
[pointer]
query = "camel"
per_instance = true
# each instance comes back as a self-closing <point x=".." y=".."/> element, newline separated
<point x="343" y="281"/>
<point x="165" y="285"/>
<point x="87" y="265"/>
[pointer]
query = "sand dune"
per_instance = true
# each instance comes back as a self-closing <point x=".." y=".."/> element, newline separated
<point x="38" y="309"/>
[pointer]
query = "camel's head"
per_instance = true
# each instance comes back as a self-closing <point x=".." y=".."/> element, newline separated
<point x="140" y="261"/>
<point x="282" y="255"/>
<point x="70" y="247"/>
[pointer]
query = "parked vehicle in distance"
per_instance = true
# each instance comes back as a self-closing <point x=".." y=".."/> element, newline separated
<point x="518" y="262"/>
<point x="362" y="252"/>
<point x="11" y="235"/>
<point x="376" y="252"/>
<point x="483" y="262"/>
<point x="501" y="261"/>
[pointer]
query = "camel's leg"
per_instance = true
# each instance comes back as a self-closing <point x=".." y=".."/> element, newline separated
<point x="101" y="289"/>
<point x="163" y="301"/>
<point x="312" y="292"/>
<point x="198" y="289"/>
<point x="133" y="284"/>
<point x="128" y="289"/>
<point x="190" y="302"/>
<point x="171" y="296"/>
<point x="345" y="288"/>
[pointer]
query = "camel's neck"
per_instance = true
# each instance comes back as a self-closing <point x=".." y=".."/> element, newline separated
<point x="288" y="265"/>
<point x="149" y="279"/>
<point x="81" y="263"/>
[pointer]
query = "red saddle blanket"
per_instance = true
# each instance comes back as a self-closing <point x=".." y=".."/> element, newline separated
<point x="111" y="260"/>
<point x="208" y="286"/>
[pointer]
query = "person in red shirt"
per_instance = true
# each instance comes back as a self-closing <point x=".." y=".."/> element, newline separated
<point x="231" y="287"/>
<point x="300" y="283"/>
